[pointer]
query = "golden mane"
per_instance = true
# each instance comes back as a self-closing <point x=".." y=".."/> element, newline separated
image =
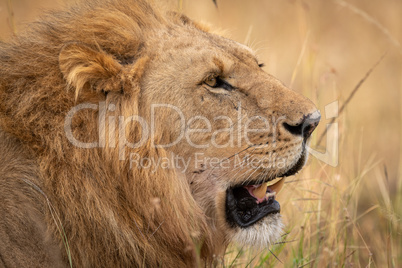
<point x="109" y="214"/>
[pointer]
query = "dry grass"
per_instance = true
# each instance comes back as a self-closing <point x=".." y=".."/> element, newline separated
<point x="343" y="216"/>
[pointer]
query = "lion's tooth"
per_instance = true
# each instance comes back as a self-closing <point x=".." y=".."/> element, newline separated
<point x="274" y="181"/>
<point x="277" y="187"/>
<point x="260" y="191"/>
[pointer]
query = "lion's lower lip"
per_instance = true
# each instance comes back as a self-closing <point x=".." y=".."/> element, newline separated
<point x="243" y="210"/>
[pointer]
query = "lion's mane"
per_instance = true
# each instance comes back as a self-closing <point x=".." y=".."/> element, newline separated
<point x="102" y="212"/>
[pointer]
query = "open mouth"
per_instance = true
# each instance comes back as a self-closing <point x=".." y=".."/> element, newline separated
<point x="247" y="204"/>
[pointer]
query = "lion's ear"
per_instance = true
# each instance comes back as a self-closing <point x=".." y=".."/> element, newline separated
<point x="89" y="70"/>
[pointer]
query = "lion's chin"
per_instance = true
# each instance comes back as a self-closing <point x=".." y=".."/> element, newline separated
<point x="262" y="234"/>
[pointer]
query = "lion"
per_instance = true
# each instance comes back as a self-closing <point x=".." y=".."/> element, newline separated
<point x="131" y="137"/>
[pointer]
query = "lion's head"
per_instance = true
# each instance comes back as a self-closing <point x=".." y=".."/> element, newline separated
<point x="152" y="133"/>
<point x="242" y="128"/>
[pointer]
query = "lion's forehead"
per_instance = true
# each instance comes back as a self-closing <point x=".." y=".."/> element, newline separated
<point x="193" y="45"/>
<point x="246" y="48"/>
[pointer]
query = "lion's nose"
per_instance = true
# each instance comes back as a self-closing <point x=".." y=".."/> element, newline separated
<point x="306" y="126"/>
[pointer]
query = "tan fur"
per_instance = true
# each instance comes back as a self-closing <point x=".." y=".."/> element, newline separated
<point x="125" y="53"/>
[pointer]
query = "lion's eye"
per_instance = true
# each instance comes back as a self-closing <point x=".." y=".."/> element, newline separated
<point x="211" y="81"/>
<point x="217" y="82"/>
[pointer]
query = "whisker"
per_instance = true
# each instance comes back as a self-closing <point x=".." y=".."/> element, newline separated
<point x="229" y="158"/>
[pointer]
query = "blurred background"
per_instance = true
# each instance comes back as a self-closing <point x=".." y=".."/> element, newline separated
<point x="344" y="216"/>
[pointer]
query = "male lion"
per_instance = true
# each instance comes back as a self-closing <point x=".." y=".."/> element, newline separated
<point x="132" y="138"/>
